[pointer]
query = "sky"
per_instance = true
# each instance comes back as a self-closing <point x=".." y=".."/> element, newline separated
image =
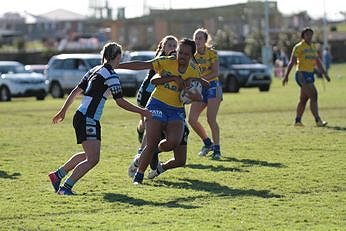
<point x="315" y="8"/>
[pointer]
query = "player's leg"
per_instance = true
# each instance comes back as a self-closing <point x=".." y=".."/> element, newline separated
<point x="174" y="133"/>
<point x="153" y="136"/>
<point x="92" y="152"/>
<point x="313" y="95"/>
<point x="214" y="100"/>
<point x="196" y="109"/>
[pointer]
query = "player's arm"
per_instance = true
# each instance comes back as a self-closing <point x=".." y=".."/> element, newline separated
<point x="124" y="104"/>
<point x="322" y="68"/>
<point x="136" y="65"/>
<point x="214" y="71"/>
<point x="291" y="63"/>
<point x="69" y="100"/>
<point x="159" y="80"/>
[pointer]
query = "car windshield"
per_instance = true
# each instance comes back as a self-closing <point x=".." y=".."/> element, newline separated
<point x="94" y="62"/>
<point x="13" y="69"/>
<point x="142" y="57"/>
<point x="234" y="59"/>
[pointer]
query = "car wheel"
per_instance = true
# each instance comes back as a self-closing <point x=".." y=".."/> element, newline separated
<point x="5" y="94"/>
<point x="40" y="97"/>
<point x="232" y="84"/>
<point x="264" y="87"/>
<point x="56" y="91"/>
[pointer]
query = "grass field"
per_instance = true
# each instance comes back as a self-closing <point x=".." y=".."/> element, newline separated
<point x="272" y="176"/>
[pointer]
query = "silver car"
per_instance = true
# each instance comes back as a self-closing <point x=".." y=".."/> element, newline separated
<point x="15" y="81"/>
<point x="66" y="70"/>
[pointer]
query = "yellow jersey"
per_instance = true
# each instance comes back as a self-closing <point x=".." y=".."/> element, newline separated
<point x="206" y="60"/>
<point x="306" y="56"/>
<point x="169" y="93"/>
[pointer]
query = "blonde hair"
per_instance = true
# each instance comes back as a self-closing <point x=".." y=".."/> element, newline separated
<point x="110" y="51"/>
<point x="208" y="39"/>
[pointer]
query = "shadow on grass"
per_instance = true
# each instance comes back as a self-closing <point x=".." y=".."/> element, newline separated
<point x="12" y="176"/>
<point x="248" y="162"/>
<point x="217" y="189"/>
<point x="218" y="168"/>
<point x="336" y="128"/>
<point x="115" y="197"/>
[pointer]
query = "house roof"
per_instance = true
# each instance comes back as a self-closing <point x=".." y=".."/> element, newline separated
<point x="63" y="15"/>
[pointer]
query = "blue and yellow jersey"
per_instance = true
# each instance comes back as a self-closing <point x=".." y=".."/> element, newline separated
<point x="306" y="56"/>
<point x="206" y="60"/>
<point x="168" y="93"/>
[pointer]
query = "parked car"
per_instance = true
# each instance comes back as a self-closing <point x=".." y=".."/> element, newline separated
<point x="238" y="70"/>
<point x="131" y="80"/>
<point x="38" y="68"/>
<point x="66" y="70"/>
<point x="15" y="81"/>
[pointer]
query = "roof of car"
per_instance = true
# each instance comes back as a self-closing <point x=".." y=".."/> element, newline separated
<point x="224" y="52"/>
<point x="9" y="63"/>
<point x="148" y="53"/>
<point x="76" y="56"/>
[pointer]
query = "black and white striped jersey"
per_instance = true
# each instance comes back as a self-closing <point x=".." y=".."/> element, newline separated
<point x="97" y="84"/>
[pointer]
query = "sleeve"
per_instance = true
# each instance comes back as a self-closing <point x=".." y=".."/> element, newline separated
<point x="83" y="83"/>
<point x="213" y="56"/>
<point x="114" y="86"/>
<point x="296" y="51"/>
<point x="158" y="63"/>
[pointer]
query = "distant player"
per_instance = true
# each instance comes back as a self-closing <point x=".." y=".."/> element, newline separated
<point x="305" y="55"/>
<point x="208" y="62"/>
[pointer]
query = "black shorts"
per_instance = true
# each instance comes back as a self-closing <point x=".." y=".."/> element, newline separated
<point x="86" y="128"/>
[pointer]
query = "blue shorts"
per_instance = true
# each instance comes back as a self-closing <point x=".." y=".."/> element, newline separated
<point x="165" y="113"/>
<point x="213" y="91"/>
<point x="303" y="77"/>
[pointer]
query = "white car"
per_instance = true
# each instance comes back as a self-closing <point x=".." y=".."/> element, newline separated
<point x="15" y="81"/>
<point x="66" y="70"/>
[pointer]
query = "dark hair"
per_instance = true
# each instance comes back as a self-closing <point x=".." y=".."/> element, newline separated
<point x="306" y="29"/>
<point x="162" y="43"/>
<point x="110" y="51"/>
<point x="191" y="44"/>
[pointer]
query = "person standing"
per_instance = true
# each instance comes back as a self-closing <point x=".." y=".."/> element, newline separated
<point x="167" y="46"/>
<point x="97" y="84"/>
<point x="208" y="61"/>
<point x="305" y="55"/>
<point x="327" y="58"/>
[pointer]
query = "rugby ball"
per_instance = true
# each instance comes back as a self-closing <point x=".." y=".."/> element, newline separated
<point x="195" y="87"/>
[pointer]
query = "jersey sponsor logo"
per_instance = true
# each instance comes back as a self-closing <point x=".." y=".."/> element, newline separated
<point x="90" y="131"/>
<point x="170" y="87"/>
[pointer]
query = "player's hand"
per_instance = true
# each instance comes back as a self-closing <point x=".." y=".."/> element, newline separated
<point x="180" y="82"/>
<point x="327" y="77"/>
<point x="194" y="96"/>
<point x="146" y="113"/>
<point x="59" y="117"/>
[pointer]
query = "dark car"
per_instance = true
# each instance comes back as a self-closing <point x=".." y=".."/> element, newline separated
<point x="238" y="70"/>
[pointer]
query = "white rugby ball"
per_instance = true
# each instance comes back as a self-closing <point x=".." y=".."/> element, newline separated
<point x="195" y="87"/>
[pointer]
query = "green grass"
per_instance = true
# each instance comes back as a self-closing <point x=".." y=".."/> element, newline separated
<point x="272" y="176"/>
